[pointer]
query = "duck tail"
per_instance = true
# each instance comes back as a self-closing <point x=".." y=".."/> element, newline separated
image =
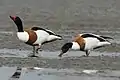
<point x="59" y="37"/>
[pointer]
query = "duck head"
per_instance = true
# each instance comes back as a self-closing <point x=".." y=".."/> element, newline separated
<point x="18" y="23"/>
<point x="65" y="48"/>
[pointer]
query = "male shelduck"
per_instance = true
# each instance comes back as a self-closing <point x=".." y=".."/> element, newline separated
<point x="35" y="36"/>
<point x="85" y="42"/>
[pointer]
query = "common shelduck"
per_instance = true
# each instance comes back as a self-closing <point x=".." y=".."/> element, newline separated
<point x="85" y="42"/>
<point x="35" y="36"/>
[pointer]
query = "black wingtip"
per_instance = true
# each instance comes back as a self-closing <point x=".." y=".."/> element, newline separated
<point x="106" y="37"/>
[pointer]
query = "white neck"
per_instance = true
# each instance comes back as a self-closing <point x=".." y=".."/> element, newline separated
<point x="23" y="36"/>
<point x="75" y="46"/>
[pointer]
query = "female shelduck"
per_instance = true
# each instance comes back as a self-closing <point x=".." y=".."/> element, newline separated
<point x="85" y="42"/>
<point x="35" y="36"/>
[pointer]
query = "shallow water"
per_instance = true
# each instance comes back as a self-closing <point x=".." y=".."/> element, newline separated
<point x="60" y="74"/>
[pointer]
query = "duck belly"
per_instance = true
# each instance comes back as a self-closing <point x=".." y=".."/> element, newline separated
<point x="23" y="36"/>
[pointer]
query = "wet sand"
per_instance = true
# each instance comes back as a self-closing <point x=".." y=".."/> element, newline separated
<point x="75" y="60"/>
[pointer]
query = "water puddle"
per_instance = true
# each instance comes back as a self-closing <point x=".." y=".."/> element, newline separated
<point x="37" y="73"/>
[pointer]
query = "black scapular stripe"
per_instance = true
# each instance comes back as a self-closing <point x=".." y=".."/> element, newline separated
<point x="106" y="37"/>
<point x="91" y="35"/>
<point x="48" y="31"/>
<point x="38" y="28"/>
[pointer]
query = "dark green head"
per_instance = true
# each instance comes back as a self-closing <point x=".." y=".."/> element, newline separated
<point x="65" y="48"/>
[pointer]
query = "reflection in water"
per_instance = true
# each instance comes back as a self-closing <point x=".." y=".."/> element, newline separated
<point x="17" y="74"/>
<point x="61" y="74"/>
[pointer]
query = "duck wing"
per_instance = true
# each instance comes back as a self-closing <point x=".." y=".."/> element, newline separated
<point x="106" y="37"/>
<point x="87" y="35"/>
<point x="46" y="30"/>
<point x="93" y="35"/>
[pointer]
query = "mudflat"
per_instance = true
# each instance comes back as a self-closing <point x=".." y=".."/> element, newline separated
<point x="66" y="18"/>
